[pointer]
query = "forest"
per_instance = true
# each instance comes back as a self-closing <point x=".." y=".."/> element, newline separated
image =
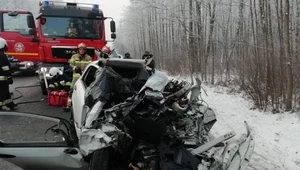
<point x="252" y="44"/>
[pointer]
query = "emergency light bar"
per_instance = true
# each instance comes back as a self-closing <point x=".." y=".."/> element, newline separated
<point x="56" y="3"/>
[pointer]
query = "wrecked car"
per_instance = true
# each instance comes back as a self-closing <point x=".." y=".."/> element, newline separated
<point x="125" y="117"/>
<point x="149" y="122"/>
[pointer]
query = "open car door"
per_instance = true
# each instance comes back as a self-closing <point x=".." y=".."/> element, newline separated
<point x="36" y="142"/>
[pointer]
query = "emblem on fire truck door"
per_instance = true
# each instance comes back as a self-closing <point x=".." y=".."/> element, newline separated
<point x="19" y="47"/>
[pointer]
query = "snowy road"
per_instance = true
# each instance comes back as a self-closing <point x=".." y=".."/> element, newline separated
<point x="277" y="136"/>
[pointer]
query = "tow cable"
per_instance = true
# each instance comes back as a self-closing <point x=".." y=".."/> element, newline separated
<point x="21" y="95"/>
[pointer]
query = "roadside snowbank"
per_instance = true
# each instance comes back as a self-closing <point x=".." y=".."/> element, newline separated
<point x="277" y="136"/>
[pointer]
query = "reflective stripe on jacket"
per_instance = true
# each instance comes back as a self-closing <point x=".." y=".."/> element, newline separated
<point x="80" y="62"/>
<point x="3" y="78"/>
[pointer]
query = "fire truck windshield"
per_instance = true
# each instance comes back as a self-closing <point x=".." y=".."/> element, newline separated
<point x="16" y="23"/>
<point x="78" y="28"/>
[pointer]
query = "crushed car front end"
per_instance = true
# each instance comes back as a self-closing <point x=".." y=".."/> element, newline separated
<point x="155" y="123"/>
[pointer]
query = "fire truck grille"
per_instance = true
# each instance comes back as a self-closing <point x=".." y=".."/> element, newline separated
<point x="60" y="52"/>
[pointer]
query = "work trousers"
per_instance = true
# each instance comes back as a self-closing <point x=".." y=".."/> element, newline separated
<point x="5" y="98"/>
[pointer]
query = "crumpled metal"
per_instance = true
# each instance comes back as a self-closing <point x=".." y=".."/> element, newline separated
<point x="91" y="140"/>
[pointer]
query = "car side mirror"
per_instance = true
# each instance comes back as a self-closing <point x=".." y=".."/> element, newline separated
<point x="32" y="31"/>
<point x="113" y="36"/>
<point x="30" y="21"/>
<point x="112" y="26"/>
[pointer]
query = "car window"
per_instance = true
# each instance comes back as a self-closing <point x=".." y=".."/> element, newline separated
<point x="89" y="76"/>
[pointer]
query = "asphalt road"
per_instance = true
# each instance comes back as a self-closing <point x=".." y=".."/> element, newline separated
<point x="29" y="94"/>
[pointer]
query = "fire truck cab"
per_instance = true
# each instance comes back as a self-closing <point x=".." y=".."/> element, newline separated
<point x="53" y="38"/>
<point x="22" y="51"/>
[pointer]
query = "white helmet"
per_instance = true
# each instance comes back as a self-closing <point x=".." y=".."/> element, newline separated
<point x="3" y="43"/>
<point x="54" y="71"/>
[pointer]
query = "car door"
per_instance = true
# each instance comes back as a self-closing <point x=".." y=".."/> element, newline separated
<point x="35" y="142"/>
<point x="78" y="96"/>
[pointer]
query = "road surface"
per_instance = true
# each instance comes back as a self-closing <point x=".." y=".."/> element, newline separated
<point x="30" y="94"/>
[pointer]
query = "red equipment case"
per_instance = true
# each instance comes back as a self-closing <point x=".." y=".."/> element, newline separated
<point x="56" y="98"/>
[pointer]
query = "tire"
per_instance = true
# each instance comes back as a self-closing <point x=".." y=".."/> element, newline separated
<point x="43" y="88"/>
<point x="100" y="160"/>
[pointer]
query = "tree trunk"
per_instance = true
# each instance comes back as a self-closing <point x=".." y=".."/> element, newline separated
<point x="288" y="55"/>
<point x="212" y="15"/>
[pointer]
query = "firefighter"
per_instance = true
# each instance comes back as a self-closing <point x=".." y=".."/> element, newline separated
<point x="78" y="63"/>
<point x="149" y="60"/>
<point x="5" y="78"/>
<point x="146" y="53"/>
<point x="72" y="30"/>
<point x="105" y="52"/>
<point x="127" y="56"/>
<point x="59" y="81"/>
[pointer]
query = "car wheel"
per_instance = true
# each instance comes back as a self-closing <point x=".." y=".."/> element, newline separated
<point x="43" y="87"/>
<point x="100" y="160"/>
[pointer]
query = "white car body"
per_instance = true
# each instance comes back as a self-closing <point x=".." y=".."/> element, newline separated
<point x="79" y="89"/>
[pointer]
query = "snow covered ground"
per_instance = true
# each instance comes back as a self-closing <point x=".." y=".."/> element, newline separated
<point x="277" y="136"/>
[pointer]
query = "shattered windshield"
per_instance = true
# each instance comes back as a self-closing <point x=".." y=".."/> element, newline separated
<point x="114" y="54"/>
<point x="66" y="27"/>
<point x="157" y="81"/>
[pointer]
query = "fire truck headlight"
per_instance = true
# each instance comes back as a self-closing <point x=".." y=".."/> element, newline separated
<point x="29" y="64"/>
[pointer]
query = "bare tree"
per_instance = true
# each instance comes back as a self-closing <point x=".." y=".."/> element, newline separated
<point x="288" y="54"/>
<point x="243" y="41"/>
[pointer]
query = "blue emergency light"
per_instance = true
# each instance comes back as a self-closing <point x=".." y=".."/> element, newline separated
<point x="95" y="6"/>
<point x="46" y="3"/>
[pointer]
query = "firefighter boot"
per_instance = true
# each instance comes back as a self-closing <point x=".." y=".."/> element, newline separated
<point x="11" y="105"/>
<point x="68" y="107"/>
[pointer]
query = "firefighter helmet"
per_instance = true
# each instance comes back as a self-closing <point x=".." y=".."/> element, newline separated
<point x="106" y="50"/>
<point x="81" y="45"/>
<point x="54" y="71"/>
<point x="3" y="44"/>
<point x="127" y="56"/>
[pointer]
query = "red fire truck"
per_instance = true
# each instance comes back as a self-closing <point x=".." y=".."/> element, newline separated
<point x="53" y="38"/>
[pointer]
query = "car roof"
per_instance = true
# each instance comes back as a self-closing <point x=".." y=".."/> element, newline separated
<point x="122" y="63"/>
